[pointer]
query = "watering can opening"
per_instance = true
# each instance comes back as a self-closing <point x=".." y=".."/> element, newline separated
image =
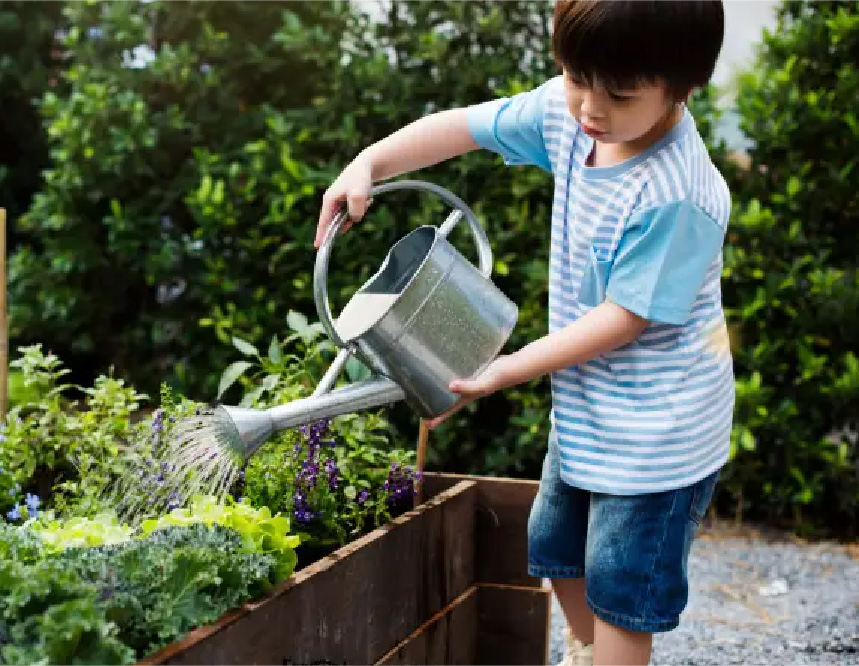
<point x="381" y="292"/>
<point x="401" y="263"/>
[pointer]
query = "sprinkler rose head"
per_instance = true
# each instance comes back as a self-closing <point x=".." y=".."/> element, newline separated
<point x="238" y="431"/>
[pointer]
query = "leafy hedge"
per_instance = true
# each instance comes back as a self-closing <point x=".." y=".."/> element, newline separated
<point x="791" y="276"/>
<point x="180" y="206"/>
<point x="27" y="68"/>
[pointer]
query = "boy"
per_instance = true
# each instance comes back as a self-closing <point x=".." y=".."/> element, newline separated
<point x="642" y="380"/>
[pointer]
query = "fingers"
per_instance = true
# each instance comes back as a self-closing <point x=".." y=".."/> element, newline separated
<point x="356" y="202"/>
<point x="458" y="386"/>
<point x="330" y="206"/>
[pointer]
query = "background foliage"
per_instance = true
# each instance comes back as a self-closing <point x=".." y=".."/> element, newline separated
<point x="190" y="144"/>
<point x="791" y="277"/>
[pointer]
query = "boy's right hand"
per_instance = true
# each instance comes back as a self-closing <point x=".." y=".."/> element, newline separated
<point x="352" y="187"/>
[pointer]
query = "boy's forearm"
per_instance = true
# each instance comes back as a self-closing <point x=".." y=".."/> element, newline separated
<point x="430" y="140"/>
<point x="603" y="329"/>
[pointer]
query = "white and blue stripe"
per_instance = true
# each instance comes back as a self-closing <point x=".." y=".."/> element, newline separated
<point x="656" y="414"/>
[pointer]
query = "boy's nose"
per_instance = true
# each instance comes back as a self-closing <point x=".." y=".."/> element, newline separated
<point x="592" y="107"/>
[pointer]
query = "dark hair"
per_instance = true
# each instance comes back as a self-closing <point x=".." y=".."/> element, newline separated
<point x="624" y="42"/>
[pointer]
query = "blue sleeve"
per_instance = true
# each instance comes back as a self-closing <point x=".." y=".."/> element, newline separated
<point x="662" y="261"/>
<point x="513" y="127"/>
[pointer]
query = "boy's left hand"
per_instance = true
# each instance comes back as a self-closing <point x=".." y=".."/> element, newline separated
<point x="493" y="378"/>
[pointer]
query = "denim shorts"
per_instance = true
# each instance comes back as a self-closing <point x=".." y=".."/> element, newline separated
<point x="632" y="550"/>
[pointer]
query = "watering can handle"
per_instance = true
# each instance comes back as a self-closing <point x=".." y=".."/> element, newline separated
<point x="320" y="271"/>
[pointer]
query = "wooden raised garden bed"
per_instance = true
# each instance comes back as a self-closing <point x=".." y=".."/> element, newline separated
<point x="445" y="583"/>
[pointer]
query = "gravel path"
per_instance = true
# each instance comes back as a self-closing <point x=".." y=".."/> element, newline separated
<point x="759" y="601"/>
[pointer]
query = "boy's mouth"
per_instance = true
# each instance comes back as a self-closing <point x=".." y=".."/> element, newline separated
<point x="592" y="131"/>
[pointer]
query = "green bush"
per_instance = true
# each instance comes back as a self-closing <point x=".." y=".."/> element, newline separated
<point x="791" y="278"/>
<point x="53" y="445"/>
<point x="28" y="67"/>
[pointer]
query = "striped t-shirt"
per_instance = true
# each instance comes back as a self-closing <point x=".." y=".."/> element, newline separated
<point x="647" y="235"/>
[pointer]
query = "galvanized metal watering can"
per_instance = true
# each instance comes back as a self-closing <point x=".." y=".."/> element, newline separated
<point x="444" y="319"/>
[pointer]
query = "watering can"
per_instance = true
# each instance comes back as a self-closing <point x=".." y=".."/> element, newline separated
<point x="443" y="319"/>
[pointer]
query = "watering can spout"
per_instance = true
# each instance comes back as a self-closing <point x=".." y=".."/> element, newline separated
<point x="252" y="427"/>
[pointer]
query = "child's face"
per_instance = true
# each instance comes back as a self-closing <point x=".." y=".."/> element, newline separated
<point x="618" y="116"/>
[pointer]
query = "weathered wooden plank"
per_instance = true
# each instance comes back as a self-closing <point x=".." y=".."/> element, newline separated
<point x="356" y="604"/>
<point x="489" y="624"/>
<point x="503" y="507"/>
<point x="513" y="624"/>
<point x="448" y="638"/>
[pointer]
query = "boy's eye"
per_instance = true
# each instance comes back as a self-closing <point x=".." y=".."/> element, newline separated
<point x="619" y="97"/>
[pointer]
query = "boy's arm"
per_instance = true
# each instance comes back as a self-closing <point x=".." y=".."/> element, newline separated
<point x="423" y="143"/>
<point x="606" y="327"/>
<point x="511" y="127"/>
<point x="603" y="329"/>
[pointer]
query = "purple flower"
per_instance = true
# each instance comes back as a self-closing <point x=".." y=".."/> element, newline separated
<point x="400" y="483"/>
<point x="362" y="496"/>
<point x="308" y="473"/>
<point x="303" y="515"/>
<point x="158" y="421"/>
<point x="14" y="514"/>
<point x="32" y="501"/>
<point x="332" y="471"/>
<point x="300" y="508"/>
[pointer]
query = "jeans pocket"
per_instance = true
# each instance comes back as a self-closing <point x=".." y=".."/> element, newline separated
<point x="595" y="277"/>
<point x="702" y="495"/>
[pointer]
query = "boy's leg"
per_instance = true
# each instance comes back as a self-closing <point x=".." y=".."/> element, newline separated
<point x="571" y="595"/>
<point x="616" y="645"/>
<point x="557" y="532"/>
<point x="579" y="630"/>
<point x="635" y="564"/>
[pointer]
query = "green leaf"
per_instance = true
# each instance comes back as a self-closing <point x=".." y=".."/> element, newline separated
<point x="296" y="321"/>
<point x="793" y="186"/>
<point x="245" y="347"/>
<point x="747" y="440"/>
<point x="231" y="374"/>
<point x="275" y="353"/>
<point x="270" y="381"/>
<point x="356" y="371"/>
<point x="251" y="396"/>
